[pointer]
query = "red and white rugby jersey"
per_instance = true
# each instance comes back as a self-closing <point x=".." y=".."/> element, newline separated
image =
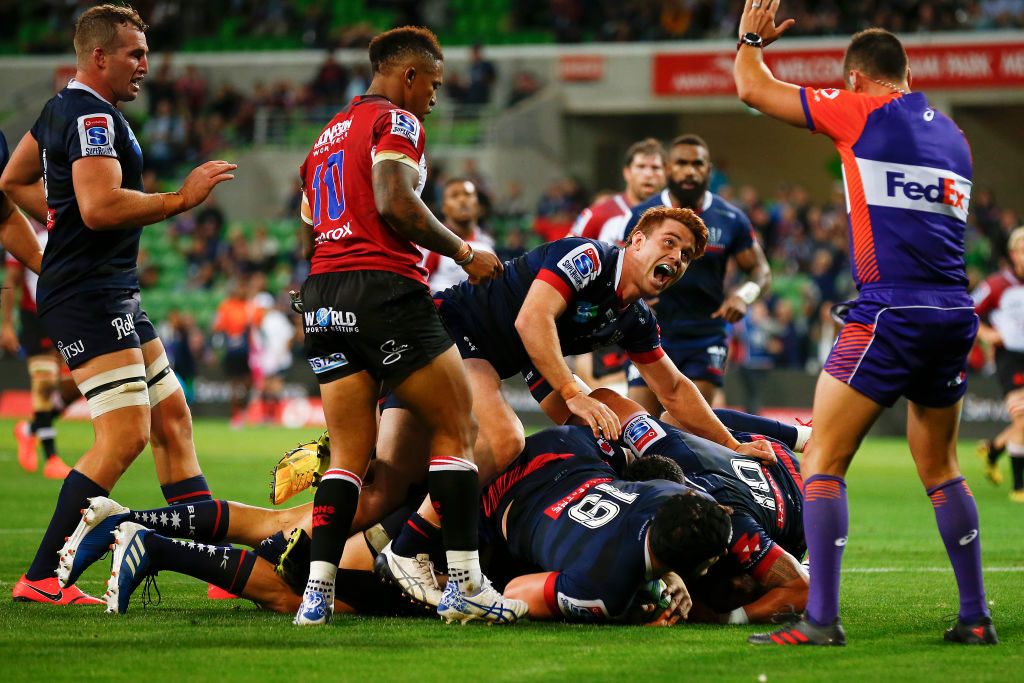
<point x="603" y="220"/>
<point x="1000" y="298"/>
<point x="907" y="173"/>
<point x="348" y="233"/>
<point x="443" y="272"/>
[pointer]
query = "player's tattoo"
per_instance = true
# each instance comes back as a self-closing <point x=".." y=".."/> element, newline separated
<point x="782" y="571"/>
<point x="406" y="213"/>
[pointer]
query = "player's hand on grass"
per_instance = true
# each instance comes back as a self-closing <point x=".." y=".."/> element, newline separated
<point x="758" y="450"/>
<point x="679" y="601"/>
<point x="759" y="17"/>
<point x="484" y="267"/>
<point x="599" y="417"/>
<point x="201" y="181"/>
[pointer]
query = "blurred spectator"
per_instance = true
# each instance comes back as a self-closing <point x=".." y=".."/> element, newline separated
<point x="164" y="136"/>
<point x="330" y="85"/>
<point x="524" y="85"/>
<point x="482" y="74"/>
<point x="234" y="320"/>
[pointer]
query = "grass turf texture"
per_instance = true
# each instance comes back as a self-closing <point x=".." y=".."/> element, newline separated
<point x="893" y="618"/>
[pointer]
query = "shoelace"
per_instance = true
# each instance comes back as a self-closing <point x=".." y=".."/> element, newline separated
<point x="428" y="565"/>
<point x="147" y="588"/>
<point x="786" y="616"/>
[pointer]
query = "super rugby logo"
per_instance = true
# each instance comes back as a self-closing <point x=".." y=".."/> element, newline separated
<point x="641" y="432"/>
<point x="406" y="125"/>
<point x="582" y="265"/>
<point x="919" y="188"/>
<point x="96" y="134"/>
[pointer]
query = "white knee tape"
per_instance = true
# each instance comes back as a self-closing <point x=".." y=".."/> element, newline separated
<point x="118" y="388"/>
<point x="161" y="380"/>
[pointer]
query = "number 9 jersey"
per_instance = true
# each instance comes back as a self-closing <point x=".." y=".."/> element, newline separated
<point x="348" y="232"/>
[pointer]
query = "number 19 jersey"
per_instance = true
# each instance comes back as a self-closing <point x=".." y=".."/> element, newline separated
<point x="348" y="232"/>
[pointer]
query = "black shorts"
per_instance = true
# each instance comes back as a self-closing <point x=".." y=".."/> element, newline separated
<point x="1009" y="369"/>
<point x="32" y="336"/>
<point x="370" y="320"/>
<point x="96" y="323"/>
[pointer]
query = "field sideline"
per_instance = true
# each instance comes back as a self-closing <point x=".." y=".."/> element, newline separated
<point x="897" y="590"/>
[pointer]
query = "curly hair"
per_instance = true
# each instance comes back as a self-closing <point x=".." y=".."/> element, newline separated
<point x="688" y="530"/>
<point x="391" y="46"/>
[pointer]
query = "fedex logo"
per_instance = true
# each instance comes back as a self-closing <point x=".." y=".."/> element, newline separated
<point x="919" y="188"/>
<point x="943" y="191"/>
<point x="582" y="265"/>
<point x="640" y="432"/>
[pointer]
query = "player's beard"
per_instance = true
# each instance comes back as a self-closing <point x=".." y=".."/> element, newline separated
<point x="688" y="198"/>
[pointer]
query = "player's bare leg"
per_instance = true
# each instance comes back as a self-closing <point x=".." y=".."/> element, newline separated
<point x="842" y="418"/>
<point x="647" y="398"/>
<point x="932" y="435"/>
<point x="500" y="438"/>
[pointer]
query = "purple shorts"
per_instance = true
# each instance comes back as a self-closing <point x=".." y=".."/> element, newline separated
<point x="902" y="341"/>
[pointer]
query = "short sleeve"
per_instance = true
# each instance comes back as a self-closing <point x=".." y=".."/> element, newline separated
<point x="754" y="551"/>
<point x="839" y="114"/>
<point x="743" y="238"/>
<point x="397" y="134"/>
<point x="570" y="265"/>
<point x="91" y="135"/>
<point x="578" y="598"/>
<point x="642" y="340"/>
<point x="5" y="153"/>
<point x="985" y="298"/>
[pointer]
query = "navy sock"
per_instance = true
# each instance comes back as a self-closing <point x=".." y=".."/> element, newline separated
<point x="74" y="492"/>
<point x="754" y="424"/>
<point x="223" y="566"/>
<point x="191" y="490"/>
<point x="417" y="537"/>
<point x="206" y="520"/>
<point x="42" y="427"/>
<point x="1017" y="467"/>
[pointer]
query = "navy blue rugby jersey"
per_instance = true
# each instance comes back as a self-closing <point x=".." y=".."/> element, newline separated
<point x="685" y="308"/>
<point x="5" y="152"/>
<point x="77" y="123"/>
<point x="766" y="499"/>
<point x="568" y="513"/>
<point x="586" y="273"/>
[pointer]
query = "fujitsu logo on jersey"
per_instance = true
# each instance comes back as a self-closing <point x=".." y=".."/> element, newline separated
<point x="330" y="135"/>
<point x="920" y="188"/>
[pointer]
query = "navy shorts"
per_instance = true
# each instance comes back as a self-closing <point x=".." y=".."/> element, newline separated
<point x="96" y="323"/>
<point x="1009" y="369"/>
<point x="900" y="341"/>
<point x="31" y="336"/>
<point x="699" y="359"/>
<point x="370" y="320"/>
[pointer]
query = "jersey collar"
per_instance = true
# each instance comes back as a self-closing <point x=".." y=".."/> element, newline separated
<point x="75" y="85"/>
<point x="618" y="270"/>
<point x="705" y="204"/>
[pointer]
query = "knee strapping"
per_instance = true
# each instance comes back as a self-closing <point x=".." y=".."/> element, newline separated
<point x="161" y="380"/>
<point x="118" y="388"/>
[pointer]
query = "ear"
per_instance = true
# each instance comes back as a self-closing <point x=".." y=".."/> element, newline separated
<point x="409" y="75"/>
<point x="854" y="82"/>
<point x="637" y="239"/>
<point x="99" y="57"/>
<point x="909" y="77"/>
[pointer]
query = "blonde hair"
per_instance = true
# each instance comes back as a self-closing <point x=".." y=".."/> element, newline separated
<point x="657" y="215"/>
<point x="1016" y="236"/>
<point x="98" y="27"/>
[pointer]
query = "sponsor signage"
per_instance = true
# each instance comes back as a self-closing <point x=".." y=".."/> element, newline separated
<point x="933" y="67"/>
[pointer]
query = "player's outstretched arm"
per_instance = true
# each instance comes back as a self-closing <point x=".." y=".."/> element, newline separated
<point x="786" y="584"/>
<point x="755" y="84"/>
<point x="17" y="237"/>
<point x="398" y="203"/>
<point x="536" y="326"/>
<point x="105" y="205"/>
<point x="22" y="180"/>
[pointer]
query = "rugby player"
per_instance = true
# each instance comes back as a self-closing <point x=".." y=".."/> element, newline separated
<point x="997" y="302"/>
<point x="644" y="172"/>
<point x="693" y="314"/>
<point x="88" y="289"/>
<point x="369" y="319"/>
<point x="907" y="172"/>
<point x="460" y="205"/>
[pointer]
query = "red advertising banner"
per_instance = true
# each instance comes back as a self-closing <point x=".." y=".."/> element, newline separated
<point x="933" y="67"/>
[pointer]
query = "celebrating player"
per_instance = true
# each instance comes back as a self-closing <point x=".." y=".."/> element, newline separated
<point x="996" y="301"/>
<point x="693" y="314"/>
<point x="88" y="289"/>
<point x="907" y="172"/>
<point x="370" y="321"/>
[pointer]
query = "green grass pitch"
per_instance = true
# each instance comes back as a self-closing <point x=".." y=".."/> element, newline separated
<point x="897" y="590"/>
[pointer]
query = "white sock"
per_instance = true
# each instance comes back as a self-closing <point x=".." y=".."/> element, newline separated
<point x="321" y="577"/>
<point x="464" y="569"/>
<point x="803" y="434"/>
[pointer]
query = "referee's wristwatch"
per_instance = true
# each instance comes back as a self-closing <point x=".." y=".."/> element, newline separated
<point x="751" y="39"/>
